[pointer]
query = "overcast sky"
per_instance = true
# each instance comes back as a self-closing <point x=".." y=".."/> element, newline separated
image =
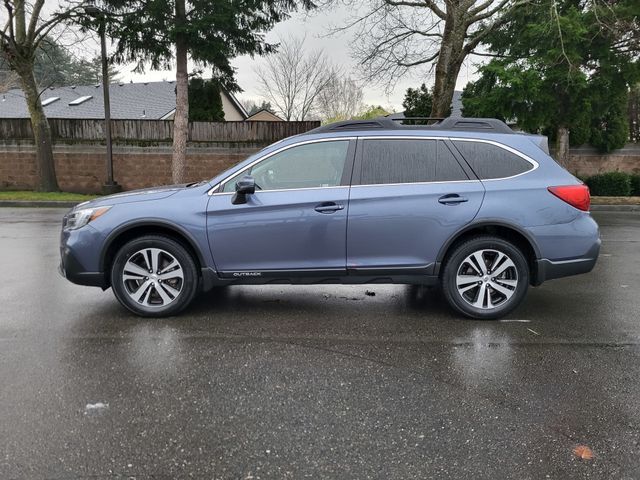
<point x="315" y="27"/>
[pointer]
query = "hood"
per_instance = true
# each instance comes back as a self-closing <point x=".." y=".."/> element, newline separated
<point x="142" y="195"/>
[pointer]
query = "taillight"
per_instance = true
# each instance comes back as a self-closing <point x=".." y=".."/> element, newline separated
<point x="575" y="195"/>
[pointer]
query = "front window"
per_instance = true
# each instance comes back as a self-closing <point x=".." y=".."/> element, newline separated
<point x="304" y="166"/>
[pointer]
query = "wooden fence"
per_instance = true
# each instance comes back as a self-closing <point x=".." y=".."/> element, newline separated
<point x="81" y="130"/>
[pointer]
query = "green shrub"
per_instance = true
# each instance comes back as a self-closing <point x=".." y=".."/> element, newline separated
<point x="610" y="184"/>
<point x="635" y="185"/>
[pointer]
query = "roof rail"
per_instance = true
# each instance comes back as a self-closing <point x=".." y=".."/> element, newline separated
<point x="397" y="122"/>
<point x="401" y="117"/>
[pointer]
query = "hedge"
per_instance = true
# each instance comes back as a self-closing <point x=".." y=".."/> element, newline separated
<point x="613" y="184"/>
<point x="635" y="185"/>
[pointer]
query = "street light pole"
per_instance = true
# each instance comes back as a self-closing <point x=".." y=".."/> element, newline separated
<point x="110" y="185"/>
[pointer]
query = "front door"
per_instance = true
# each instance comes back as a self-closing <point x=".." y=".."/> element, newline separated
<point x="295" y="223"/>
<point x="409" y="196"/>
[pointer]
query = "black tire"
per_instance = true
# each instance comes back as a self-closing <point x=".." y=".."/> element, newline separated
<point x="152" y="303"/>
<point x="490" y="247"/>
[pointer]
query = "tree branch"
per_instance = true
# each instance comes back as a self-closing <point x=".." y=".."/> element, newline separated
<point x="50" y="24"/>
<point x="9" y="8"/>
<point x="480" y="8"/>
<point x="35" y="16"/>
<point x="477" y="17"/>
<point x="425" y="3"/>
<point x="420" y="62"/>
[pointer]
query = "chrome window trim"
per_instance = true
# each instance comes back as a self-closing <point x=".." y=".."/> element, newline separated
<point x="282" y="149"/>
<point x="354" y="186"/>
<point x="387" y="137"/>
<point x="415" y="183"/>
<point x="287" y="189"/>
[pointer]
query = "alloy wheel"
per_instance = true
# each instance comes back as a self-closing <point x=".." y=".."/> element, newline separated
<point x="486" y="279"/>
<point x="153" y="277"/>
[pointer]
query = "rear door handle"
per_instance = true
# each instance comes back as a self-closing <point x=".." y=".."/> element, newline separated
<point x="329" y="207"/>
<point x="452" y="199"/>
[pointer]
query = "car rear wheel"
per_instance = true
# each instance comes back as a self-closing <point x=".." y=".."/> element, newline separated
<point x="485" y="277"/>
<point x="154" y="276"/>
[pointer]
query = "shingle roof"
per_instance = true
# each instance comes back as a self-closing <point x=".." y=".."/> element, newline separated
<point x="152" y="100"/>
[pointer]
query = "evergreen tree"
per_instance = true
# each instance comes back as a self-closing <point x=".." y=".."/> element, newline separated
<point x="205" y="103"/>
<point x="562" y="67"/>
<point x="418" y="102"/>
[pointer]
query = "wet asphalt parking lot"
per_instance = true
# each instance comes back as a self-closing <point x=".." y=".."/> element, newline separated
<point x="316" y="382"/>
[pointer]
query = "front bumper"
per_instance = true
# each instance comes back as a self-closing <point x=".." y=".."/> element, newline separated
<point x="79" y="257"/>
<point x="73" y="271"/>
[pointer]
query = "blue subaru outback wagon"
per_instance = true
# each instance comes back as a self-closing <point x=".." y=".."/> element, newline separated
<point x="465" y="203"/>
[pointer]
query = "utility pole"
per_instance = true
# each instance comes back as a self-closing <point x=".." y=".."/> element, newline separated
<point x="92" y="10"/>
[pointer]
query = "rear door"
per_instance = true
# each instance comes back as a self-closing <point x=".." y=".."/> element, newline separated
<point x="409" y="195"/>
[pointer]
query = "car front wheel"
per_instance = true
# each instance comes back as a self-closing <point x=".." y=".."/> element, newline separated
<point x="485" y="277"/>
<point x="154" y="276"/>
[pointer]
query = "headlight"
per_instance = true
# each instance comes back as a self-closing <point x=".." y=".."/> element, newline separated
<point x="79" y="218"/>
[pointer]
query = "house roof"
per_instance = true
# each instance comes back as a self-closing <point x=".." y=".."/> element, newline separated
<point x="150" y="100"/>
<point x="264" y="111"/>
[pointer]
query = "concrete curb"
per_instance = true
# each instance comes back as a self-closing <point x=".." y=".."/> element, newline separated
<point x="37" y="204"/>
<point x="615" y="208"/>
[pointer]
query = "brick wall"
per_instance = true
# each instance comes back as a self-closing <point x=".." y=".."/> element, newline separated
<point x="587" y="161"/>
<point x="81" y="167"/>
<point x="80" y="156"/>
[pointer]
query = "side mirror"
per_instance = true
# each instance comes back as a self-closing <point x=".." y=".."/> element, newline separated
<point x="245" y="186"/>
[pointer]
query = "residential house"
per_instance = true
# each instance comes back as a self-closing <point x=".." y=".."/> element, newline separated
<point x="129" y="101"/>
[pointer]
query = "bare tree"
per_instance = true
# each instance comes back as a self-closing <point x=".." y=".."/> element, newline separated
<point x="292" y="78"/>
<point x="23" y="30"/>
<point x="394" y="37"/>
<point x="341" y="99"/>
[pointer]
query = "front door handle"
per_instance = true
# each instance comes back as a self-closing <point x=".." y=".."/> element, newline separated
<point x="452" y="199"/>
<point x="329" y="207"/>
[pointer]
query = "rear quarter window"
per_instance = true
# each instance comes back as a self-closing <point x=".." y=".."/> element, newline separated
<point x="490" y="161"/>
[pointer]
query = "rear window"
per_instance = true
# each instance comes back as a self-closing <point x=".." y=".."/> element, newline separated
<point x="490" y="161"/>
<point x="408" y="161"/>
